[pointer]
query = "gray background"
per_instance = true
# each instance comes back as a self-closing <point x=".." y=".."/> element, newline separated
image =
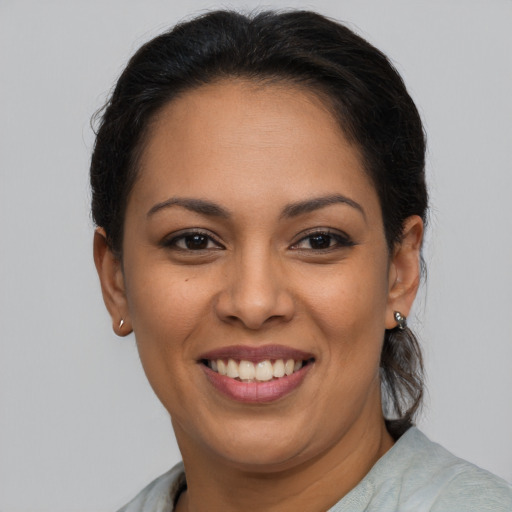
<point x="80" y="429"/>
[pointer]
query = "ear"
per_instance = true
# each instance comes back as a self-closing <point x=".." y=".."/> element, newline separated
<point x="405" y="271"/>
<point x="110" y="272"/>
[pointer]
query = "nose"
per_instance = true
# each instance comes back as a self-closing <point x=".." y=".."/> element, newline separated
<point x="254" y="294"/>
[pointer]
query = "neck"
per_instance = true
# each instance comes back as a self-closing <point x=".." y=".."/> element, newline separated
<point x="311" y="485"/>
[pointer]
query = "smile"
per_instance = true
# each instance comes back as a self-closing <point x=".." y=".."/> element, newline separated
<point x="262" y="371"/>
<point x="256" y="374"/>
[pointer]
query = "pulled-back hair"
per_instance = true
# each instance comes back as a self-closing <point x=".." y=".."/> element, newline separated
<point x="359" y="84"/>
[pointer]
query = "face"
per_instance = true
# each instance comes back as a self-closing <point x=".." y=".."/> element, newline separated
<point x="253" y="238"/>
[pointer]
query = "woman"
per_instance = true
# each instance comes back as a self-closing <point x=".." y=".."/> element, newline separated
<point x="258" y="187"/>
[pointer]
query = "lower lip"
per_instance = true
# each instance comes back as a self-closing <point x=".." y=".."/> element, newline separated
<point x="256" y="392"/>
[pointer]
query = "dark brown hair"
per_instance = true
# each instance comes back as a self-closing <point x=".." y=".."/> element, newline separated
<point x="362" y="88"/>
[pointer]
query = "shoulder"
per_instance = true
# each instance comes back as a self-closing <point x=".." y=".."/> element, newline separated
<point x="451" y="483"/>
<point x="417" y="474"/>
<point x="460" y="485"/>
<point x="474" y="489"/>
<point x="431" y="478"/>
<point x="160" y="494"/>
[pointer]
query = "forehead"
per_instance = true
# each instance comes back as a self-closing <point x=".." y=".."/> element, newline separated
<point x="229" y="111"/>
<point x="259" y="138"/>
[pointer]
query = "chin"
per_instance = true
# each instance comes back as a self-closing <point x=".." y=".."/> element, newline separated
<point x="264" y="446"/>
<point x="264" y="457"/>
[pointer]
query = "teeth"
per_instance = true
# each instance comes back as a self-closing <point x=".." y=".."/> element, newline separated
<point x="264" y="371"/>
<point x="232" y="370"/>
<point x="247" y="371"/>
<point x="279" y="368"/>
<point x="221" y="367"/>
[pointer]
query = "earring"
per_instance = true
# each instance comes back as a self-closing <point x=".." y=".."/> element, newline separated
<point x="400" y="320"/>
<point x="121" y="323"/>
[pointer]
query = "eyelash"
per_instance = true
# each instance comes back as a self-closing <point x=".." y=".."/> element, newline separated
<point x="340" y="240"/>
<point x="182" y="237"/>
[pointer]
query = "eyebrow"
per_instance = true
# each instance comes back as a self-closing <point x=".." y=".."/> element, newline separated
<point x="200" y="206"/>
<point x="310" y="205"/>
<point x="211" y="209"/>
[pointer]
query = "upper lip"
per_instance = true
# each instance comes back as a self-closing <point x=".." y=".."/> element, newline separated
<point x="256" y="354"/>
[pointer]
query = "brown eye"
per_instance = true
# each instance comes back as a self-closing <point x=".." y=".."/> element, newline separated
<point x="192" y="241"/>
<point x="196" y="242"/>
<point x="320" y="241"/>
<point x="323" y="241"/>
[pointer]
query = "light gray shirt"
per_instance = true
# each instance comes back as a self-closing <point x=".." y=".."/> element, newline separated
<point x="415" y="475"/>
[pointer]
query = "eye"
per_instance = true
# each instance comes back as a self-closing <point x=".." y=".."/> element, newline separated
<point x="193" y="241"/>
<point x="322" y="241"/>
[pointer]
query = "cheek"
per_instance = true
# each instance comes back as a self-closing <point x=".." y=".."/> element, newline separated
<point x="168" y="309"/>
<point x="167" y="305"/>
<point x="350" y="311"/>
<point x="349" y="303"/>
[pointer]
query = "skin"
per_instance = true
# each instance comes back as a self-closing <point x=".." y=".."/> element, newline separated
<point x="254" y="150"/>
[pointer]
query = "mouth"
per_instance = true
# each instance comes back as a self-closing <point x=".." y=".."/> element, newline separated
<point x="259" y="371"/>
<point x="256" y="374"/>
